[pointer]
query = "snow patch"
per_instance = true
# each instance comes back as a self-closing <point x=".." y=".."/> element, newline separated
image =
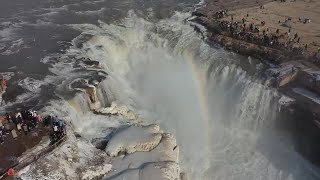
<point x="123" y="110"/>
<point x="306" y="93"/>
<point x="94" y="171"/>
<point x="134" y="138"/>
<point x="154" y="171"/>
<point x="74" y="157"/>
<point x="166" y="151"/>
<point x="285" y="100"/>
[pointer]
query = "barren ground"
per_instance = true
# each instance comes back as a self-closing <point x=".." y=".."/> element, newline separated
<point x="276" y="11"/>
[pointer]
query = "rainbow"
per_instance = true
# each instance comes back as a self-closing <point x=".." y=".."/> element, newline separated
<point x="200" y="84"/>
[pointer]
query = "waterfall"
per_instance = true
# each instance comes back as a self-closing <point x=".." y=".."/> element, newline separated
<point x="223" y="118"/>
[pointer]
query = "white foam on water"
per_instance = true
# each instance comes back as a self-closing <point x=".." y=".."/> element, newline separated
<point x="15" y="47"/>
<point x="91" y="13"/>
<point x="32" y="87"/>
<point x="51" y="12"/>
<point x="148" y="66"/>
<point x="7" y="34"/>
<point x="31" y="84"/>
<point x="83" y="121"/>
<point x="2" y="46"/>
<point x="200" y="4"/>
<point x="149" y="72"/>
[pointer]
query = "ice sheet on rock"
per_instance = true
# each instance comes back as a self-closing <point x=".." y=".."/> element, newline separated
<point x="306" y="93"/>
<point x="314" y="74"/>
<point x="96" y="125"/>
<point x="116" y="109"/>
<point x="160" y="171"/>
<point x="134" y="138"/>
<point x="282" y="69"/>
<point x="75" y="156"/>
<point x="166" y="151"/>
<point x="132" y="174"/>
<point x="285" y="100"/>
<point x="23" y="171"/>
<point x="96" y="171"/>
<point x="154" y="171"/>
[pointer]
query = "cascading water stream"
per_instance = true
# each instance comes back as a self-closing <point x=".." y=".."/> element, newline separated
<point x="224" y="120"/>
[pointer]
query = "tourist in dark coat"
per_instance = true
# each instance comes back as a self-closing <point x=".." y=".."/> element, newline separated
<point x="14" y="119"/>
<point x="1" y="135"/>
<point x="25" y="129"/>
<point x="19" y="119"/>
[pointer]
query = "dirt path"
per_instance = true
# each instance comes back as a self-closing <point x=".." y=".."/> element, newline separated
<point x="11" y="149"/>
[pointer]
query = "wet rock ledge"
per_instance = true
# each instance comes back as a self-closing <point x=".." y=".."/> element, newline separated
<point x="293" y="71"/>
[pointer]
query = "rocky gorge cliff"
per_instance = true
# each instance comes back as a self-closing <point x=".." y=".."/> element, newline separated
<point x="297" y="78"/>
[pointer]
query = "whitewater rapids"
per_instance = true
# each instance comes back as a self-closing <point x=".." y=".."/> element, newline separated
<point x="223" y="119"/>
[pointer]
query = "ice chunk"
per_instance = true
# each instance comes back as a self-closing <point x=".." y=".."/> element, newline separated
<point x="285" y="100"/>
<point x="116" y="109"/>
<point x="160" y="171"/>
<point x="94" y="172"/>
<point x="134" y="138"/>
<point x="154" y="171"/>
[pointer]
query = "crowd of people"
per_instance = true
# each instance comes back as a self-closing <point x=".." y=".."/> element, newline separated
<point x="58" y="128"/>
<point x="257" y="34"/>
<point x="252" y="33"/>
<point x="221" y="14"/>
<point x="25" y="121"/>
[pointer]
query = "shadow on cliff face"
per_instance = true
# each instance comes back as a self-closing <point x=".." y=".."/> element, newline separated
<point x="281" y="154"/>
<point x="306" y="135"/>
<point x="287" y="146"/>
